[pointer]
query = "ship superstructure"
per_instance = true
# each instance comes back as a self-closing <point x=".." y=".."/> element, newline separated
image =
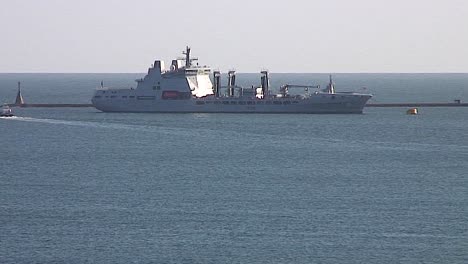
<point x="186" y="87"/>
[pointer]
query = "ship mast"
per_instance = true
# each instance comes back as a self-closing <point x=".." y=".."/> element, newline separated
<point x="187" y="57"/>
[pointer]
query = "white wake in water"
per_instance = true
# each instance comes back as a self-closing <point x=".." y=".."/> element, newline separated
<point x="76" y="123"/>
<point x="106" y="125"/>
<point x="206" y="132"/>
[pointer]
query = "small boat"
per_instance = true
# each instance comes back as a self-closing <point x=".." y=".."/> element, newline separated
<point x="6" y="111"/>
<point x="412" y="111"/>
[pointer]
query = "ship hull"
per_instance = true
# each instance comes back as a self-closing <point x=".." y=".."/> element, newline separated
<point x="317" y="104"/>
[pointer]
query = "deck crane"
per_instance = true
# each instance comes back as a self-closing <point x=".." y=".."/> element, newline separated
<point x="330" y="87"/>
<point x="284" y="88"/>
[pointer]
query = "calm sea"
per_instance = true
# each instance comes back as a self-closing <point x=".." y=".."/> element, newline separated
<point x="78" y="185"/>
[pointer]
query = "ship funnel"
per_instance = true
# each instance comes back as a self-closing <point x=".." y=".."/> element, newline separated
<point x="231" y="83"/>
<point x="19" y="98"/>
<point x="265" y="83"/>
<point x="174" y="65"/>
<point x="159" y="65"/>
<point x="217" y="82"/>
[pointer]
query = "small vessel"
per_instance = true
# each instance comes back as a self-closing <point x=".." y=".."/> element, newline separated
<point x="187" y="88"/>
<point x="6" y="111"/>
<point x="412" y="111"/>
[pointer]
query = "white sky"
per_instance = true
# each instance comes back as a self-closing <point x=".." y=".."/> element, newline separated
<point x="246" y="35"/>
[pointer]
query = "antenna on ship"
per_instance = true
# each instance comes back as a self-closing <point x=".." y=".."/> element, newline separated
<point x="188" y="60"/>
<point x="19" y="98"/>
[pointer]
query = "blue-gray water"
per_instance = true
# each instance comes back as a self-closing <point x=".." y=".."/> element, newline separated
<point x="77" y="185"/>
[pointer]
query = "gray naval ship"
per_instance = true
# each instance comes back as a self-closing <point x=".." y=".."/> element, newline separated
<point x="187" y="88"/>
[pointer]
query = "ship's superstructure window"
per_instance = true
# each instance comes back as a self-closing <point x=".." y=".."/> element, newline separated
<point x="175" y="95"/>
<point x="145" y="97"/>
<point x="191" y="71"/>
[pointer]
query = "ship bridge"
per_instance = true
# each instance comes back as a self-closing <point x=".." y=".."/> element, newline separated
<point x="198" y="77"/>
<point x="182" y="76"/>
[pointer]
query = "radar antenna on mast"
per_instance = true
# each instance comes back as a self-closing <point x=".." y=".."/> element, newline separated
<point x="188" y="60"/>
<point x="187" y="56"/>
